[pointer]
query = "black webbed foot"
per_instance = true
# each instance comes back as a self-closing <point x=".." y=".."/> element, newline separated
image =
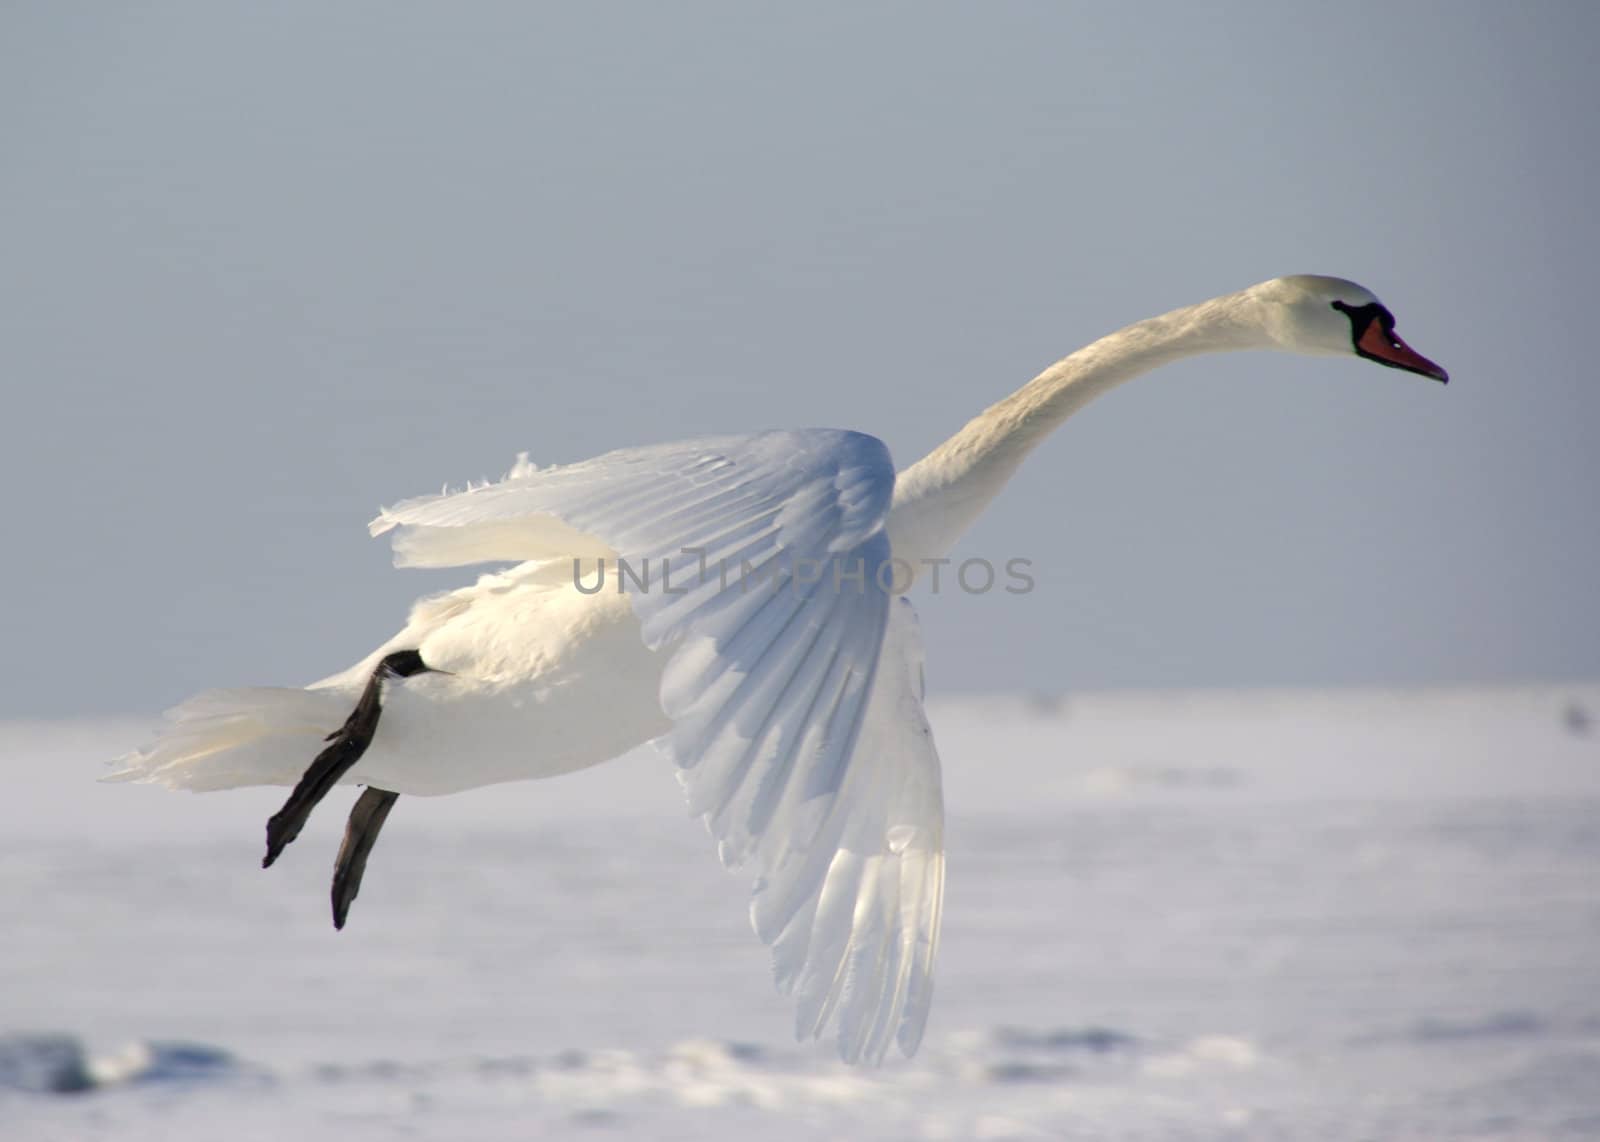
<point x="360" y="834"/>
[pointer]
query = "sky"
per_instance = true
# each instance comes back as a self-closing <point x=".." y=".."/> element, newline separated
<point x="264" y="268"/>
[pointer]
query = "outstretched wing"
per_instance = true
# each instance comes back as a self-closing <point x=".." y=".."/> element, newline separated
<point x="853" y="915"/>
<point x="793" y="682"/>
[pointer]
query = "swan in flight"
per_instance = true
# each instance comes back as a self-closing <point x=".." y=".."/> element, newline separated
<point x="753" y="626"/>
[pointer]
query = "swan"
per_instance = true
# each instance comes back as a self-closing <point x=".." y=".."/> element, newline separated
<point x="773" y="657"/>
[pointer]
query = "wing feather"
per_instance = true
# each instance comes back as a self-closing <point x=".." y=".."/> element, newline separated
<point x="793" y="681"/>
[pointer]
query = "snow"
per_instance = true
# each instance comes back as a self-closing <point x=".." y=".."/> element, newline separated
<point x="1210" y="915"/>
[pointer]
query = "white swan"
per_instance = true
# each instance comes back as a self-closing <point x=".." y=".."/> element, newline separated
<point x="777" y="664"/>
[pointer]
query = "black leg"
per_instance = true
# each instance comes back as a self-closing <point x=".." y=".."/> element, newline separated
<point x="366" y="819"/>
<point x="347" y="744"/>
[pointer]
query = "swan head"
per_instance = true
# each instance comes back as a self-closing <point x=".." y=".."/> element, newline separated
<point x="1323" y="316"/>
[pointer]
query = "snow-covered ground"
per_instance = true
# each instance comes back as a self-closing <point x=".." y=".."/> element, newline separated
<point x="1252" y="915"/>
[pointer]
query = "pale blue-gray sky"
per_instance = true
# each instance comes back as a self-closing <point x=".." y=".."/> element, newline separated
<point x="266" y="267"/>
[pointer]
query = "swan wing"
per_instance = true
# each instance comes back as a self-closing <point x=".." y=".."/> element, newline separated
<point x="793" y="682"/>
<point x="658" y="500"/>
<point x="850" y="901"/>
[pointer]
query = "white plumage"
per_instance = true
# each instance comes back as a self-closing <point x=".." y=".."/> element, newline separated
<point x="763" y="644"/>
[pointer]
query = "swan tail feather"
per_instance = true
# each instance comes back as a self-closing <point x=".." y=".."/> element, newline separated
<point x="224" y="739"/>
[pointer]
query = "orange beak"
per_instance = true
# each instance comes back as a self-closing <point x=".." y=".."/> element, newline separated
<point x="1387" y="349"/>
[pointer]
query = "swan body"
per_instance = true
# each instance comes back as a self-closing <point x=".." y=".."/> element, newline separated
<point x="781" y="673"/>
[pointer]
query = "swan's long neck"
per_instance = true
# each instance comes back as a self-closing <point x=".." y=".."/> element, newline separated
<point x="939" y="496"/>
